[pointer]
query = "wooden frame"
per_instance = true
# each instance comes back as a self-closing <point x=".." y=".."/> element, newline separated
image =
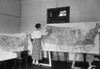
<point x="49" y="60"/>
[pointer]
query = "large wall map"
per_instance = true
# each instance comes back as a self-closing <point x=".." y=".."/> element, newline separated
<point x="13" y="42"/>
<point x="72" y="36"/>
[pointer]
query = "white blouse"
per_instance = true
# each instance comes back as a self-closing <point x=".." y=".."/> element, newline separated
<point x="36" y="34"/>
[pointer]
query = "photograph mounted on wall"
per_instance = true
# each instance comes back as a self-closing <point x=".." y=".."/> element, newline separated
<point x="58" y="15"/>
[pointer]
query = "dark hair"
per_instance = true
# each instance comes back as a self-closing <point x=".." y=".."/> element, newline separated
<point x="38" y="25"/>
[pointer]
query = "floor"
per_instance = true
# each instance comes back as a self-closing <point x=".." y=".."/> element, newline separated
<point x="14" y="64"/>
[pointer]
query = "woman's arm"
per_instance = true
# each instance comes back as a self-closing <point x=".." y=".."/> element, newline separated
<point x="47" y="30"/>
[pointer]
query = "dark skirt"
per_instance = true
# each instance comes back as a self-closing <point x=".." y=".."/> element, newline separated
<point x="37" y="49"/>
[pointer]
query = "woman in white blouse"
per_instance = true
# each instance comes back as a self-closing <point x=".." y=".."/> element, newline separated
<point x="37" y="48"/>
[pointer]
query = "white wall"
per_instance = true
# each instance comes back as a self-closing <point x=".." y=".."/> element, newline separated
<point x="34" y="11"/>
<point x="90" y="10"/>
<point x="10" y="16"/>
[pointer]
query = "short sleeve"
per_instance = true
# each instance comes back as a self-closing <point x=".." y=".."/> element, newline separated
<point x="36" y="34"/>
<point x="33" y="35"/>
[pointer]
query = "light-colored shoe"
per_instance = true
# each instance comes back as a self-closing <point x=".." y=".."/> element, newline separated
<point x="37" y="63"/>
<point x="33" y="62"/>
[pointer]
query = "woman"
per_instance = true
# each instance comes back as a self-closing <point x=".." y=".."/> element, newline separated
<point x="37" y="48"/>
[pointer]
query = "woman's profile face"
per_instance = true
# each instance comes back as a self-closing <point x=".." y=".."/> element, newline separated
<point x="38" y="28"/>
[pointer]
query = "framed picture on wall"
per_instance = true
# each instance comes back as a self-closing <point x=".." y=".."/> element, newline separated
<point x="58" y="15"/>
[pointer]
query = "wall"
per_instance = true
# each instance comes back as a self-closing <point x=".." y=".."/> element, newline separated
<point x="34" y="11"/>
<point x="10" y="16"/>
